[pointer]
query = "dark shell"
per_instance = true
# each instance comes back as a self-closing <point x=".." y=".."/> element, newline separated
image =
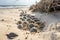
<point x="22" y="19"/>
<point x="11" y="35"/>
<point x="33" y="29"/>
<point x="31" y="25"/>
<point x="31" y="21"/>
<point x="20" y="26"/>
<point x="19" y="22"/>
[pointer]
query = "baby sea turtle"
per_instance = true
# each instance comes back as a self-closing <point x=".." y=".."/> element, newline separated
<point x="38" y="22"/>
<point x="31" y="21"/>
<point x="11" y="35"/>
<point x="31" y="25"/>
<point x="28" y="15"/>
<point x="25" y="25"/>
<point x="42" y="25"/>
<point x="32" y="16"/>
<point x="24" y="15"/>
<point x="33" y="29"/>
<point x="19" y="22"/>
<point x="28" y="19"/>
<point x="22" y="19"/>
<point x="20" y="26"/>
<point x="21" y="15"/>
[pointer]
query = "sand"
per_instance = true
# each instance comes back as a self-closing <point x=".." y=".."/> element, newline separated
<point x="8" y="19"/>
<point x="11" y="17"/>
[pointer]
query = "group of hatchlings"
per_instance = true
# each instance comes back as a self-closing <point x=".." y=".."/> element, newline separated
<point x="29" y="22"/>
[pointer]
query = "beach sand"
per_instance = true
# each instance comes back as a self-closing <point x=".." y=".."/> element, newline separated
<point x="8" y="19"/>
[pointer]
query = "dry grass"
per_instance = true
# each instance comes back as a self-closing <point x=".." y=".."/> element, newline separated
<point x="46" y="6"/>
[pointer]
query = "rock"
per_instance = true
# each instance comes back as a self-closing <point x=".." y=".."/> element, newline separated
<point x="33" y="29"/>
<point x="20" y="26"/>
<point x="11" y="35"/>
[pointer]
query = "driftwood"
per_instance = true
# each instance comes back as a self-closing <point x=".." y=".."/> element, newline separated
<point x="46" y="6"/>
